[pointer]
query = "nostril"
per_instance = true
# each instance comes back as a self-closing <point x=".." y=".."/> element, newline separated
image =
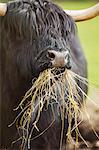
<point x="68" y="65"/>
<point x="51" y="55"/>
<point x="67" y="56"/>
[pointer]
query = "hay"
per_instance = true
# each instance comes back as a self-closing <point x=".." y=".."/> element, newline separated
<point x="50" y="84"/>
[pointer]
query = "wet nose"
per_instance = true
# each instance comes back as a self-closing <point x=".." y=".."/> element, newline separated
<point x="59" y="59"/>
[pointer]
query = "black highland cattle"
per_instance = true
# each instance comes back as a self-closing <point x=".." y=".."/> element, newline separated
<point x="29" y="31"/>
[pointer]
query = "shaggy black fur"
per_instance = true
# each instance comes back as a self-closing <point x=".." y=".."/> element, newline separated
<point x="27" y="31"/>
<point x="40" y="23"/>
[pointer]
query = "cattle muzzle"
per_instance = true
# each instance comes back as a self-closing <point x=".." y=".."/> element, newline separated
<point x="59" y="59"/>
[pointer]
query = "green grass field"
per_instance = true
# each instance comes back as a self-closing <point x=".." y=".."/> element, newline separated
<point x="89" y="36"/>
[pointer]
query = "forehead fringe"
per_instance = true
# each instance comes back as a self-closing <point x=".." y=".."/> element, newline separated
<point x="36" y="17"/>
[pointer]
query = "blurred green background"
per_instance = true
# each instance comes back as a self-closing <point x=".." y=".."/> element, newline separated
<point x="89" y="36"/>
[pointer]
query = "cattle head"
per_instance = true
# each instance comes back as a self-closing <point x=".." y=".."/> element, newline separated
<point x="45" y="29"/>
<point x="41" y="33"/>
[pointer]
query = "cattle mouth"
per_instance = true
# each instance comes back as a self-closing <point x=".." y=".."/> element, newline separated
<point x="47" y="63"/>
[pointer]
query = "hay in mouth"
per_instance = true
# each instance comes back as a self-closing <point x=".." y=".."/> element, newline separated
<point x="46" y="88"/>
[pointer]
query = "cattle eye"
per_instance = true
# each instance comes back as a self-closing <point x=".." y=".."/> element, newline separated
<point x="51" y="55"/>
